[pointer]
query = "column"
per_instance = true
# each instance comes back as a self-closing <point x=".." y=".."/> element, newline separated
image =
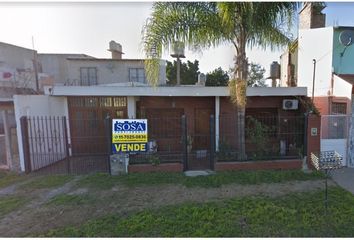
<point x="131" y="105"/>
<point x="217" y="122"/>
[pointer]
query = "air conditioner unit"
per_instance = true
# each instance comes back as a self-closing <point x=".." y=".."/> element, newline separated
<point x="290" y="104"/>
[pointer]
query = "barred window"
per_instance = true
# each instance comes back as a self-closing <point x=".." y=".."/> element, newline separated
<point x="339" y="108"/>
<point x="137" y="75"/>
<point x="88" y="76"/>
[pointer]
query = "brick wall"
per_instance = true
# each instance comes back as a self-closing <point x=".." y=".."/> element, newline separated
<point x="165" y="167"/>
<point x="259" y="165"/>
<point x="310" y="19"/>
<point x="323" y="103"/>
<point x="313" y="142"/>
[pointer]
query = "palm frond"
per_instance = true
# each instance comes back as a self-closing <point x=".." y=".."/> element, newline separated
<point x="196" y="24"/>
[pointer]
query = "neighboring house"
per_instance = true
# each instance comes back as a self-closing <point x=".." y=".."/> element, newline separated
<point x="321" y="59"/>
<point x="17" y="76"/>
<point x="9" y="158"/>
<point x="17" y="66"/>
<point x="333" y="69"/>
<point x="56" y="66"/>
<point x="84" y="70"/>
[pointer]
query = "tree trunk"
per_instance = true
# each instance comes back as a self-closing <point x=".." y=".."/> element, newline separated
<point x="241" y="74"/>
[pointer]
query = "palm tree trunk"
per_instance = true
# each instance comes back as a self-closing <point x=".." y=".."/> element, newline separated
<point x="241" y="74"/>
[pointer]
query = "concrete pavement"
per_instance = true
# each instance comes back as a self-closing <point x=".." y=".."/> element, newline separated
<point x="344" y="177"/>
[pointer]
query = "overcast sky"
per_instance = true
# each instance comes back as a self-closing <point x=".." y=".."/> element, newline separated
<point x="88" y="28"/>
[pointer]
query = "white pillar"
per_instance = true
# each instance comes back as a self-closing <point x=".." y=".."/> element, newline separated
<point x="131" y="105"/>
<point x="7" y="139"/>
<point x="350" y="148"/>
<point x="217" y="123"/>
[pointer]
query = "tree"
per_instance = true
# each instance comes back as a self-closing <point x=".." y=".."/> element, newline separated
<point x="218" y="77"/>
<point x="189" y="72"/>
<point x="201" y="25"/>
<point x="256" y="76"/>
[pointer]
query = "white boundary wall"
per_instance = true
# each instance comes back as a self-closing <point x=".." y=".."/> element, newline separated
<point x="37" y="105"/>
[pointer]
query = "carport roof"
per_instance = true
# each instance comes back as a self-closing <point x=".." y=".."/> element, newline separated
<point x="181" y="91"/>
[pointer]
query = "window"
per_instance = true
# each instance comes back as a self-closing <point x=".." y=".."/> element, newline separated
<point x="339" y="108"/>
<point x="137" y="75"/>
<point x="88" y="76"/>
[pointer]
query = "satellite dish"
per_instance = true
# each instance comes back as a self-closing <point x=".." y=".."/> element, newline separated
<point x="346" y="37"/>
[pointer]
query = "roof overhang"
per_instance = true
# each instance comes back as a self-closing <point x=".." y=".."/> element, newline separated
<point x="347" y="77"/>
<point x="181" y="91"/>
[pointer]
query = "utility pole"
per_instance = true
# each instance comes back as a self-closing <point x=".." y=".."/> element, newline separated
<point x="313" y="80"/>
<point x="35" y="66"/>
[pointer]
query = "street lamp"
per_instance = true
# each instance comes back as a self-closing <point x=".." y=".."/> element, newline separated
<point x="177" y="51"/>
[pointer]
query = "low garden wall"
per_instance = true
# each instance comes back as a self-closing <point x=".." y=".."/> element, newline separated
<point x="221" y="166"/>
<point x="163" y="167"/>
<point x="259" y="165"/>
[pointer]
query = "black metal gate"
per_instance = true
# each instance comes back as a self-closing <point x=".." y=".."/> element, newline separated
<point x="199" y="145"/>
<point x="49" y="147"/>
<point x="45" y="145"/>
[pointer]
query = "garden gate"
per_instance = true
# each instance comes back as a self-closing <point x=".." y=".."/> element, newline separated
<point x="334" y="134"/>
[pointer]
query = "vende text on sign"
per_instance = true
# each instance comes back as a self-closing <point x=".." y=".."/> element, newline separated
<point x="128" y="147"/>
<point x="129" y="135"/>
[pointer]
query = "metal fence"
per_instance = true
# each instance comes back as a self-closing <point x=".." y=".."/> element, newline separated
<point x="335" y="126"/>
<point x="266" y="137"/>
<point x="51" y="146"/>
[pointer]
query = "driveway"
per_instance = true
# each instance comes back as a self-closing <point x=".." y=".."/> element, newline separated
<point x="345" y="178"/>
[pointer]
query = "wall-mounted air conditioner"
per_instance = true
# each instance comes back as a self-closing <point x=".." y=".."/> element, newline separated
<point x="290" y="104"/>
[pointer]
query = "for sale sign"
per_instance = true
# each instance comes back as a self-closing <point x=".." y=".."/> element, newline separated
<point x="129" y="135"/>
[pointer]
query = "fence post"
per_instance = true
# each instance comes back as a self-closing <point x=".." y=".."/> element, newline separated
<point x="184" y="143"/>
<point x="305" y="137"/>
<point x="25" y="144"/>
<point x="67" y="157"/>
<point x="108" y="127"/>
<point x="212" y="142"/>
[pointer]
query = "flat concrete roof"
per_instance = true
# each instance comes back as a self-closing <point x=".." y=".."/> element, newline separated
<point x="181" y="91"/>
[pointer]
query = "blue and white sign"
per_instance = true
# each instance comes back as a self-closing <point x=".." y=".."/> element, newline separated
<point x="129" y="135"/>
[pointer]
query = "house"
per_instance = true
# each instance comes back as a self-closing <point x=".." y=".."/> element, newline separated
<point x="84" y="70"/>
<point x="321" y="60"/>
<point x="202" y="114"/>
<point x="17" y="76"/>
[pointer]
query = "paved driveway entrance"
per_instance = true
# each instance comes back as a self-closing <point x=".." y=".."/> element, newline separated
<point x="345" y="178"/>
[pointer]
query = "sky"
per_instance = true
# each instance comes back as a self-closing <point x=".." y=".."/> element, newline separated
<point x="88" y="27"/>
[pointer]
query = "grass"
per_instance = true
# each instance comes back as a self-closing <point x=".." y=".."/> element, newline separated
<point x="71" y="199"/>
<point x="104" y="181"/>
<point x="10" y="203"/>
<point x="50" y="181"/>
<point x="295" y="215"/>
<point x="8" y="178"/>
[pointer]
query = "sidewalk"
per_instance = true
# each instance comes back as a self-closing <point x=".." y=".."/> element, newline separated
<point x="345" y="178"/>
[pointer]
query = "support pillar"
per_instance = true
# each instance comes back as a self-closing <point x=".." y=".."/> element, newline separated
<point x="217" y="122"/>
<point x="131" y="105"/>
<point x="7" y="139"/>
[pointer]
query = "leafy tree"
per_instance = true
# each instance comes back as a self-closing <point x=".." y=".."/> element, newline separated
<point x="256" y="76"/>
<point x="201" y="25"/>
<point x="218" y="77"/>
<point x="189" y="72"/>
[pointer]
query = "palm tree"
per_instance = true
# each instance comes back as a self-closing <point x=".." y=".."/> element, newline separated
<point x="201" y="25"/>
